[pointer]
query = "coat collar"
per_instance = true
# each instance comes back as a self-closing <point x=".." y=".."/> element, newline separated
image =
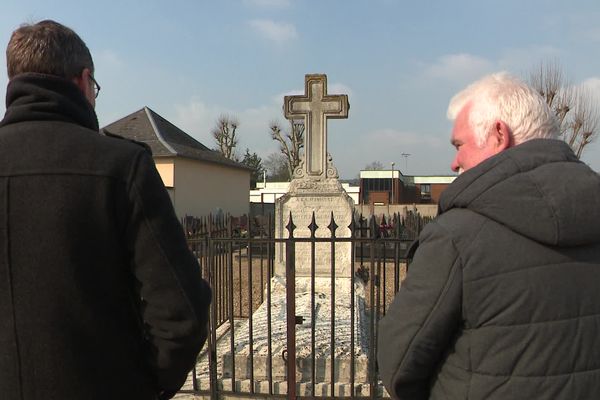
<point x="538" y="189"/>
<point x="40" y="97"/>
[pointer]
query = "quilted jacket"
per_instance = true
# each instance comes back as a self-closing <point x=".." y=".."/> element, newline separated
<point x="502" y="299"/>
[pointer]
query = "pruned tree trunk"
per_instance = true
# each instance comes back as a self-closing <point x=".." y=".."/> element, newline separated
<point x="290" y="143"/>
<point x="224" y="133"/>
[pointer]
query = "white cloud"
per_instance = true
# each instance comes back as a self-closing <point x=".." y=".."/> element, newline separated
<point x="339" y="88"/>
<point x="592" y="86"/>
<point x="268" y="3"/>
<point x="458" y="67"/>
<point x="395" y="138"/>
<point x="197" y="119"/>
<point x="278" y="32"/>
<point x="427" y="153"/>
<point x="107" y="60"/>
<point x="278" y="98"/>
<point x="521" y="60"/>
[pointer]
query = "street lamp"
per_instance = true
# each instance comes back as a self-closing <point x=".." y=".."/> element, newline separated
<point x="405" y="155"/>
<point x="393" y="186"/>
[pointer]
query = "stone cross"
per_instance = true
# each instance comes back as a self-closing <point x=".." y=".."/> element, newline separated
<point x="315" y="106"/>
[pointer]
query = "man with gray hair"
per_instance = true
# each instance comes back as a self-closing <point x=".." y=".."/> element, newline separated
<point x="501" y="300"/>
<point x="100" y="296"/>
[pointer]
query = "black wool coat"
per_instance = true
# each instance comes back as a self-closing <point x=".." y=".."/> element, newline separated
<point x="502" y="300"/>
<point x="100" y="297"/>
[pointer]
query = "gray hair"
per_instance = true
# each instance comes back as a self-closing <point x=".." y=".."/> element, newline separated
<point x="503" y="97"/>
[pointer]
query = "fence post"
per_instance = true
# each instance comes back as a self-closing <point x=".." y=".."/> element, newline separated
<point x="290" y="290"/>
<point x="208" y="243"/>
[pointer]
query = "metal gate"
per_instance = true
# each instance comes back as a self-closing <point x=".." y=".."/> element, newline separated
<point x="260" y="344"/>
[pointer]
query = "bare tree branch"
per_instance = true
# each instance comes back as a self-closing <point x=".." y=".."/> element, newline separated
<point x="224" y="133"/>
<point x="584" y="121"/>
<point x="575" y="108"/>
<point x="290" y="143"/>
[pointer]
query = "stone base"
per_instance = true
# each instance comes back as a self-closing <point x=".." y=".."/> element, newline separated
<point x="259" y="388"/>
<point x="258" y="368"/>
<point x="259" y="385"/>
<point x="258" y="342"/>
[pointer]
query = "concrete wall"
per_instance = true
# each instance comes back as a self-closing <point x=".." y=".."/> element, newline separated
<point x="201" y="188"/>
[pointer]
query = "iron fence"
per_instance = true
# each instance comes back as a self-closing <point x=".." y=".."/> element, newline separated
<point x="281" y="336"/>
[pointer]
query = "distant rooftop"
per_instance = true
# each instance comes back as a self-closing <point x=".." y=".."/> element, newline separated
<point x="164" y="138"/>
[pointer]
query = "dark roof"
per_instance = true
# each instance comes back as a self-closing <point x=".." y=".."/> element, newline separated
<point x="164" y="138"/>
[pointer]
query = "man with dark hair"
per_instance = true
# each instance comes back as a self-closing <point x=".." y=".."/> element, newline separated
<point x="501" y="299"/>
<point x="99" y="295"/>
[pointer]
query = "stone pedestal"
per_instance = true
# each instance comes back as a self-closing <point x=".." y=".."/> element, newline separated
<point x="323" y="198"/>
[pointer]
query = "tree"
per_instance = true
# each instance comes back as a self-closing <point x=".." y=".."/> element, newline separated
<point x="374" y="166"/>
<point x="224" y="133"/>
<point x="575" y="108"/>
<point x="255" y="162"/>
<point x="290" y="143"/>
<point x="276" y="166"/>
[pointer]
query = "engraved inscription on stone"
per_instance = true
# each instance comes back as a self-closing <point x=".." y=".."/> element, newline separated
<point x="301" y="209"/>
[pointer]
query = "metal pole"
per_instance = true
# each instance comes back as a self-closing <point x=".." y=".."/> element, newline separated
<point x="393" y="185"/>
<point x="290" y="279"/>
<point x="405" y="155"/>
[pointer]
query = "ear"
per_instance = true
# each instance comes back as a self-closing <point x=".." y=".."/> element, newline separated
<point x="81" y="80"/>
<point x="502" y="136"/>
<point x="83" y="83"/>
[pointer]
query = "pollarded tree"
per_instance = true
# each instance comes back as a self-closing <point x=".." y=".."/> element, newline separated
<point x="224" y="133"/>
<point x="290" y="143"/>
<point x="575" y="107"/>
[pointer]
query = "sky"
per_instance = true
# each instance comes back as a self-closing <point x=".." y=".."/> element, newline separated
<point x="398" y="61"/>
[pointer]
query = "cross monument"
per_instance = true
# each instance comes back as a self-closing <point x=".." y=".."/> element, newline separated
<point x="324" y="293"/>
<point x="315" y="106"/>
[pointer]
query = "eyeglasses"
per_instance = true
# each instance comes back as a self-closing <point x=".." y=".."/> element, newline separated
<point x="96" y="86"/>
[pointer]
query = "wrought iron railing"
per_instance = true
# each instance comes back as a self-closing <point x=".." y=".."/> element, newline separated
<point x="252" y="350"/>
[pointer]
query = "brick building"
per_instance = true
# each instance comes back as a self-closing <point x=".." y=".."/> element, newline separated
<point x="384" y="187"/>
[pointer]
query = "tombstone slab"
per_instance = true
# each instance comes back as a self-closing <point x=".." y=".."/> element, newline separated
<point x="325" y="200"/>
<point x="315" y="187"/>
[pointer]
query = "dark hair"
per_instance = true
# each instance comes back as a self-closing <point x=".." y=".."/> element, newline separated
<point x="47" y="48"/>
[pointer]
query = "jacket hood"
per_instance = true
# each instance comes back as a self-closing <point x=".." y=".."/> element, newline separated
<point x="538" y="189"/>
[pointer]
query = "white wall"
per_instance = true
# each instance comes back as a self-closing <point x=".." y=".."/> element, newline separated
<point x="202" y="188"/>
<point x="274" y="190"/>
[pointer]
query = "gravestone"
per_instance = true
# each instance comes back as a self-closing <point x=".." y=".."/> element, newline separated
<point x="315" y="186"/>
